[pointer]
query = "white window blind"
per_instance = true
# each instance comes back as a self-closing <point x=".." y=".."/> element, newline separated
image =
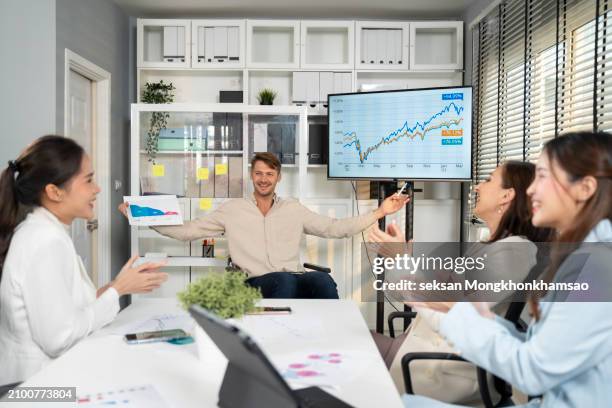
<point x="540" y="80"/>
<point x="604" y="67"/>
<point x="511" y="80"/>
<point x="486" y="123"/>
<point x="541" y="68"/>
<point x="575" y="66"/>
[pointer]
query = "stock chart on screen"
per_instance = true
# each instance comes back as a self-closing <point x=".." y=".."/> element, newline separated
<point x="423" y="134"/>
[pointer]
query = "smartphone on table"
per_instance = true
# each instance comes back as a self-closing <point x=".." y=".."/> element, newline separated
<point x="262" y="310"/>
<point x="154" y="336"/>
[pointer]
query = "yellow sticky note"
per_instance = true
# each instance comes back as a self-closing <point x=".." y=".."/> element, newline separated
<point x="205" y="203"/>
<point x="220" y="169"/>
<point x="158" y="170"/>
<point x="202" y="173"/>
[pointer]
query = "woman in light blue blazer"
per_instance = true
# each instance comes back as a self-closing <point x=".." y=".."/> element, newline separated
<point x="566" y="354"/>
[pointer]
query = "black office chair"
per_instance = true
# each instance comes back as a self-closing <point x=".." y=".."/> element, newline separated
<point x="407" y="315"/>
<point x="503" y="388"/>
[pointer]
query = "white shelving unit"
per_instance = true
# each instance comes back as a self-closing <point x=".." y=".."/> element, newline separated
<point x="436" y="45"/>
<point x="195" y="85"/>
<point x="185" y="173"/>
<point x="302" y="61"/>
<point x="273" y="44"/>
<point x="327" y="45"/>
<point x="273" y="52"/>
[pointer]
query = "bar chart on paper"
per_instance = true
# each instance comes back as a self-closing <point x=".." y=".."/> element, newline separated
<point x="412" y="134"/>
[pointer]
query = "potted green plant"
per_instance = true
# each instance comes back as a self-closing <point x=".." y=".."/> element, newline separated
<point x="156" y="92"/>
<point x="225" y="294"/>
<point x="266" y="96"/>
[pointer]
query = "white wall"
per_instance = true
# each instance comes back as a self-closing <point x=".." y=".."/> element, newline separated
<point x="27" y="74"/>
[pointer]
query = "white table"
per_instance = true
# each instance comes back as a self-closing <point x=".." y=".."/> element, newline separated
<point x="104" y="362"/>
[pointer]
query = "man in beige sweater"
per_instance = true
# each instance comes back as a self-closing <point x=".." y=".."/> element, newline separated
<point x="264" y="233"/>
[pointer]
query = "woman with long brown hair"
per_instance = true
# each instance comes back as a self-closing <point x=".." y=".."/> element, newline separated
<point x="503" y="205"/>
<point x="566" y="354"/>
<point x="47" y="300"/>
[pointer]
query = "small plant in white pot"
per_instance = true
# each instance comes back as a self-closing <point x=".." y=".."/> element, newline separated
<point x="225" y="294"/>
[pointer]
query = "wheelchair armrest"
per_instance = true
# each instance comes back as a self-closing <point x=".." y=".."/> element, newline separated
<point x="398" y="315"/>
<point x="317" y="267"/>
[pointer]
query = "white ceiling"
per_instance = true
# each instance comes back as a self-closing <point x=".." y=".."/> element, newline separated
<point x="337" y="9"/>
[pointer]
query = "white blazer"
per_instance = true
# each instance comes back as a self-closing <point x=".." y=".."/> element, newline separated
<point x="47" y="300"/>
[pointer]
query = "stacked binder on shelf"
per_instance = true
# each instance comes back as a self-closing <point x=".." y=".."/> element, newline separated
<point x="381" y="46"/>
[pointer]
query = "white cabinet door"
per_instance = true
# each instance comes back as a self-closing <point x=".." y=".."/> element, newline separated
<point x="327" y="44"/>
<point x="218" y="43"/>
<point x="436" y="45"/>
<point x="164" y="43"/>
<point x="273" y="44"/>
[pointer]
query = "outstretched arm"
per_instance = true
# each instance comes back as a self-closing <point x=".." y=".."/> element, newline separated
<point x="327" y="227"/>
<point x="212" y="225"/>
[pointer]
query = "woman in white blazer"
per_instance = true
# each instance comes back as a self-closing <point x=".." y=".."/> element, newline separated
<point x="503" y="205"/>
<point x="47" y="300"/>
<point x="566" y="355"/>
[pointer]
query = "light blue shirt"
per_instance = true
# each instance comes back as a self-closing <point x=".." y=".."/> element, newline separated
<point x="566" y="356"/>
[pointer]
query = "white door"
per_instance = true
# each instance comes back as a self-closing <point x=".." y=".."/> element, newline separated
<point x="80" y="122"/>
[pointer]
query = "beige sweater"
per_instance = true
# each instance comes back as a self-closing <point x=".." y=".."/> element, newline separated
<point x="261" y="244"/>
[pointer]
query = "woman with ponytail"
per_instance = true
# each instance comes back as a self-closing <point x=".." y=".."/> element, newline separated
<point x="566" y="355"/>
<point x="47" y="300"/>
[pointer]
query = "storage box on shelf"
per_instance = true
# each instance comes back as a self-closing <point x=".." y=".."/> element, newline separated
<point x="164" y="43"/>
<point x="311" y="88"/>
<point x="217" y="43"/>
<point x="381" y="45"/>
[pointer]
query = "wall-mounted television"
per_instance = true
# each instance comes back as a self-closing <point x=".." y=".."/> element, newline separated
<point x="413" y="134"/>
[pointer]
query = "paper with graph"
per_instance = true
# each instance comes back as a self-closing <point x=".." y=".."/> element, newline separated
<point x="411" y="134"/>
<point x="322" y="368"/>
<point x="141" y="396"/>
<point x="144" y="211"/>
